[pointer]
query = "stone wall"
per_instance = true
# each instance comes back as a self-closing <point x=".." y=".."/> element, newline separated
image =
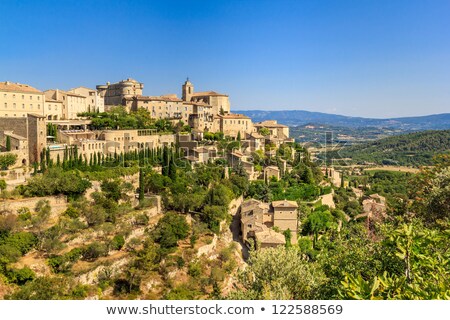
<point x="57" y="203"/>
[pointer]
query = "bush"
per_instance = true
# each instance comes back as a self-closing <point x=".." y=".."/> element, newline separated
<point x="141" y="219"/>
<point x="64" y="262"/>
<point x="22" y="241"/>
<point x="21" y="276"/>
<point x="171" y="228"/>
<point x="194" y="269"/>
<point x="72" y="212"/>
<point x="117" y="242"/>
<point x="7" y="160"/>
<point x="95" y="250"/>
<point x="24" y="214"/>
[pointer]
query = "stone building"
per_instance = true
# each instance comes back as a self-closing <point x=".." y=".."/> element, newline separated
<point x="109" y="142"/>
<point x="271" y="172"/>
<point x="277" y="130"/>
<point x="72" y="103"/>
<point x="233" y="125"/>
<point x="219" y="102"/>
<point x="258" y="220"/>
<point x="285" y="216"/>
<point x="114" y="94"/>
<point x="17" y="100"/>
<point x="53" y="109"/>
<point x="94" y="101"/>
<point x="32" y="128"/>
<point x="19" y="147"/>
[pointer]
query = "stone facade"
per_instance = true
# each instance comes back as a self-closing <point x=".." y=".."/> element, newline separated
<point x="72" y="103"/>
<point x="116" y="92"/>
<point x="19" y="147"/>
<point x="233" y="125"/>
<point x="33" y="128"/>
<point x="94" y="101"/>
<point x="258" y="219"/>
<point x="53" y="109"/>
<point x="17" y="100"/>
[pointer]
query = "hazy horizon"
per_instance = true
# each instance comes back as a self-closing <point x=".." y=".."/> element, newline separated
<point x="375" y="59"/>
<point x="281" y="109"/>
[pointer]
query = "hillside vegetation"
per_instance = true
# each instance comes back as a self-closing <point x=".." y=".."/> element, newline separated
<point x="408" y="149"/>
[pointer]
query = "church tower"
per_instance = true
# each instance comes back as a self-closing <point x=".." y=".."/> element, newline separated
<point x="188" y="90"/>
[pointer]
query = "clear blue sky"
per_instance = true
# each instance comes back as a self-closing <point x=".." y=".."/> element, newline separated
<point x="378" y="58"/>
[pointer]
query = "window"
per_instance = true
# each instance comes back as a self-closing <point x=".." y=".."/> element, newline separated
<point x="23" y="106"/>
<point x="6" y="105"/>
<point x="31" y="97"/>
<point x="31" y="106"/>
<point x="4" y="95"/>
<point x="14" y="96"/>
<point x="23" y="97"/>
<point x="39" y="98"/>
<point x="14" y="105"/>
<point x="39" y="106"/>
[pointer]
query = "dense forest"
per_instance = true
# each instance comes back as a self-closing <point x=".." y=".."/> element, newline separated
<point x="413" y="149"/>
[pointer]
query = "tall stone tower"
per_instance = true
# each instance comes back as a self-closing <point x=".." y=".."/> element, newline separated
<point x="187" y="90"/>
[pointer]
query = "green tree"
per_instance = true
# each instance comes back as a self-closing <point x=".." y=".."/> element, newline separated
<point x="279" y="273"/>
<point x="7" y="160"/>
<point x="171" y="228"/>
<point x="141" y="185"/>
<point x="8" y="143"/>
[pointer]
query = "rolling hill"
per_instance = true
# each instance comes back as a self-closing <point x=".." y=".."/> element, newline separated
<point x="417" y="148"/>
<point x="301" y="117"/>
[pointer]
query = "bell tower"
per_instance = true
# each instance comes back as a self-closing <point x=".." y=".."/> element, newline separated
<point x="187" y="90"/>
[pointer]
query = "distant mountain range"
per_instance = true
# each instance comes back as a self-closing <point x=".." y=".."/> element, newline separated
<point x="301" y="117"/>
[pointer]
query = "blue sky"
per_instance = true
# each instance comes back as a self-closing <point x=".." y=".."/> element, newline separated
<point x="365" y="58"/>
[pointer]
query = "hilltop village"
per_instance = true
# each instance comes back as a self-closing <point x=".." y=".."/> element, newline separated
<point x="110" y="194"/>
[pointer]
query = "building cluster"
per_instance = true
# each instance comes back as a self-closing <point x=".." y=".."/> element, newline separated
<point x="264" y="223"/>
<point x="25" y="112"/>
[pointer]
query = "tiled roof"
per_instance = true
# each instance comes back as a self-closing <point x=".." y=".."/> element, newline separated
<point x="168" y="98"/>
<point x="17" y="87"/>
<point x="269" y="124"/>
<point x="285" y="204"/>
<point x="233" y="116"/>
<point x="208" y="93"/>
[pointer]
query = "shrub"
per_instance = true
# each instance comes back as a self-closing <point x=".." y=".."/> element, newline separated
<point x="95" y="250"/>
<point x="171" y="228"/>
<point x="21" y="276"/>
<point x="194" y="269"/>
<point x="117" y="242"/>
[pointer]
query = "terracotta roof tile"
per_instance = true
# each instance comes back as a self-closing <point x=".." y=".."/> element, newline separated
<point x="17" y="87"/>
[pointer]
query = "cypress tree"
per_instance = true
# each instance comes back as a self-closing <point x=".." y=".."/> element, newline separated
<point x="141" y="185"/>
<point x="65" y="155"/>
<point x="75" y="156"/>
<point x="47" y="155"/>
<point x="165" y="164"/>
<point x="8" y="143"/>
<point x="43" y="160"/>
<point x="172" y="170"/>
<point x="58" y="160"/>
